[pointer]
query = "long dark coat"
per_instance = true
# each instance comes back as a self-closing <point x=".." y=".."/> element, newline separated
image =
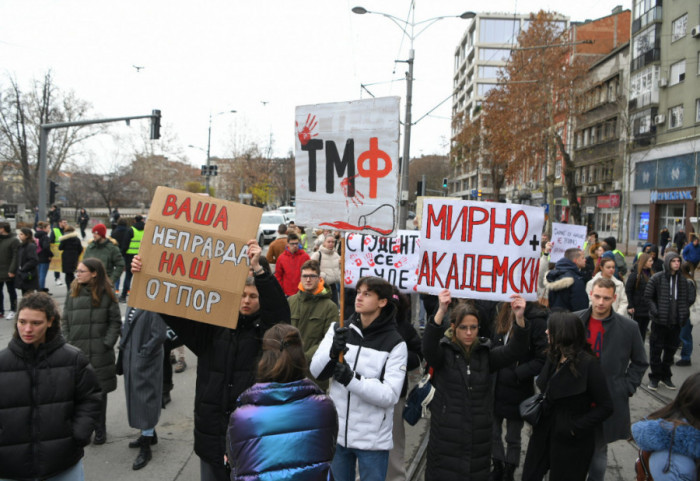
<point x="94" y="330"/>
<point x="27" y="275"/>
<point x="514" y="383"/>
<point x="227" y="361"/>
<point x="72" y="248"/>
<point x="462" y="409"/>
<point x="564" y="439"/>
<point x="143" y="367"/>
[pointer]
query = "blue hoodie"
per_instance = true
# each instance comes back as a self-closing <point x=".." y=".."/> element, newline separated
<point x="567" y="289"/>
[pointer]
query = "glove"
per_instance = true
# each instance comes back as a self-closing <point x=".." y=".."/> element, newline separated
<point x="339" y="340"/>
<point x="343" y="374"/>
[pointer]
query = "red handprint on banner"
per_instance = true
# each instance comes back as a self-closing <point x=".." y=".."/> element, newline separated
<point x="356" y="259"/>
<point x="400" y="262"/>
<point x="367" y="241"/>
<point x="348" y="276"/>
<point x="357" y="199"/>
<point x="305" y="134"/>
<point x="396" y="248"/>
<point x="370" y="259"/>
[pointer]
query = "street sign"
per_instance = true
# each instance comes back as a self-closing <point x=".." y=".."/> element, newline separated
<point x="245" y="196"/>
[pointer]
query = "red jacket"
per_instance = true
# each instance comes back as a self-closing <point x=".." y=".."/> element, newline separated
<point x="288" y="270"/>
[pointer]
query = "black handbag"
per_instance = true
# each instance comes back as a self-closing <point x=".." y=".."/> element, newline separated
<point x="531" y="408"/>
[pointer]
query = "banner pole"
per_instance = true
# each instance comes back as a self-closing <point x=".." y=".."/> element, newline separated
<point x="341" y="318"/>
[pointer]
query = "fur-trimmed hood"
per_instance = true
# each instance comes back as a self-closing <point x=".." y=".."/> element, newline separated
<point x="655" y="435"/>
<point x="70" y="235"/>
<point x="562" y="276"/>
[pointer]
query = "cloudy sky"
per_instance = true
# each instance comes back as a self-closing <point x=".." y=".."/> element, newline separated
<point x="260" y="58"/>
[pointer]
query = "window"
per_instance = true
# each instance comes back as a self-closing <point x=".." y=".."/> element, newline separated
<point x="697" y="110"/>
<point x="644" y="86"/>
<point x="483" y="89"/>
<point x="486" y="71"/>
<point x="644" y="41"/>
<point x="675" y="117"/>
<point x="557" y="170"/>
<point x="494" y="54"/>
<point x="677" y="72"/>
<point x="678" y="28"/>
<point x="497" y="30"/>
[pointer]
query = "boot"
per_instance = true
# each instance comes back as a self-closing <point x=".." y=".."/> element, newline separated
<point x="165" y="399"/>
<point x="497" y="472"/>
<point x="509" y="472"/>
<point x="137" y="442"/>
<point x="144" y="453"/>
<point x="100" y="435"/>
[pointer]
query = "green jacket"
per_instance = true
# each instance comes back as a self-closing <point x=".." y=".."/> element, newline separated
<point x="108" y="252"/>
<point x="313" y="316"/>
<point x="94" y="330"/>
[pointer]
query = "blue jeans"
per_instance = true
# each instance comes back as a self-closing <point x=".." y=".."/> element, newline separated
<point x="686" y="341"/>
<point x="372" y="464"/>
<point x="43" y="270"/>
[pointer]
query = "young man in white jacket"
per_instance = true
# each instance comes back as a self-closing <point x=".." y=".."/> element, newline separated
<point x="366" y="383"/>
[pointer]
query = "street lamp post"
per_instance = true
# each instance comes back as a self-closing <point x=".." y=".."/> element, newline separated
<point x="208" y="172"/>
<point x="403" y="25"/>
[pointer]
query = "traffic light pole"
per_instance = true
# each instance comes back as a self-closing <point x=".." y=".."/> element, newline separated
<point x="44" y="137"/>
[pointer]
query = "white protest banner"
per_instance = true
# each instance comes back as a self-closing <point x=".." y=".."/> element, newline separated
<point x="347" y="164"/>
<point x="394" y="259"/>
<point x="566" y="236"/>
<point x="480" y="250"/>
<point x="194" y="257"/>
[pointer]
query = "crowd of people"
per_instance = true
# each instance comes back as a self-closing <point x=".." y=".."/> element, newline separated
<point x="300" y="390"/>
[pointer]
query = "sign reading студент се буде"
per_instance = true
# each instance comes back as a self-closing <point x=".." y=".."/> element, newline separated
<point x="194" y="257"/>
<point x="480" y="250"/>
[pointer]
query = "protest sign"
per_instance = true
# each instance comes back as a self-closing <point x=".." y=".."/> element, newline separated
<point x="566" y="236"/>
<point x="480" y="250"/>
<point x="394" y="259"/>
<point x="347" y="163"/>
<point x="56" y="264"/>
<point x="195" y="257"/>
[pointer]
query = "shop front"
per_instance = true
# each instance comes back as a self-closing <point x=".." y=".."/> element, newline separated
<point x="673" y="209"/>
<point x="607" y="217"/>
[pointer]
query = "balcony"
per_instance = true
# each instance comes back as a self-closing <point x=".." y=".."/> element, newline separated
<point x="647" y="57"/>
<point x="650" y="16"/>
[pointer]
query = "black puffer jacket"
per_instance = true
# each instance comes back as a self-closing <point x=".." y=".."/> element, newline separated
<point x="45" y="253"/>
<point x="413" y="344"/>
<point x="514" y="383"/>
<point x="27" y="275"/>
<point x="657" y="294"/>
<point x="635" y="294"/>
<point x="49" y="403"/>
<point x="227" y="362"/>
<point x="461" y="411"/>
<point x="567" y="289"/>
<point x="72" y="248"/>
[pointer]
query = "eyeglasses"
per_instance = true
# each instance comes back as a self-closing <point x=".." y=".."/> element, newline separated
<point x="309" y="276"/>
<point x="468" y="328"/>
<point x="293" y="244"/>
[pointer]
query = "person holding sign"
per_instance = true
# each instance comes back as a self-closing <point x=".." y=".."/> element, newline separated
<point x="366" y="383"/>
<point x="461" y="413"/>
<point x="227" y="360"/>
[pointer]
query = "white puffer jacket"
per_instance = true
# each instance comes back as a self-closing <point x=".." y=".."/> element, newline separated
<point x="365" y="407"/>
<point x="330" y="264"/>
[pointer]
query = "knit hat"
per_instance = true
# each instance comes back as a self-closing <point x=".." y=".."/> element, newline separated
<point x="101" y="230"/>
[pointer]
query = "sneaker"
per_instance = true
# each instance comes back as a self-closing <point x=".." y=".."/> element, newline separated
<point x="122" y="300"/>
<point x="10" y="315"/>
<point x="683" y="362"/>
<point x="180" y="366"/>
<point x="173" y="360"/>
<point x="116" y="291"/>
<point x="668" y="383"/>
<point x="59" y="282"/>
<point x="653" y="385"/>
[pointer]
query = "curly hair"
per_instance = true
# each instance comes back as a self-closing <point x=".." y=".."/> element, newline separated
<point x="42" y="302"/>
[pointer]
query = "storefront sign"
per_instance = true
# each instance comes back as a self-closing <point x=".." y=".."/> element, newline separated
<point x="656" y="196"/>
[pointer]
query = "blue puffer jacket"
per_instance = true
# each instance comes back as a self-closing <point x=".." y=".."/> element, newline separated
<point x="655" y="436"/>
<point x="282" y="431"/>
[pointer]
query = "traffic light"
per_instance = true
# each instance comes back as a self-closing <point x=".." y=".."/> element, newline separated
<point x="444" y="182"/>
<point x="419" y="189"/>
<point x="214" y="170"/>
<point x="53" y="187"/>
<point x="155" y="124"/>
<point x="205" y="170"/>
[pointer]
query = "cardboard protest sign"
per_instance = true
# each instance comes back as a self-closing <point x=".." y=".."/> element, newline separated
<point x="394" y="259"/>
<point x="347" y="164"/>
<point x="56" y="264"/>
<point x="195" y="257"/>
<point x="566" y="236"/>
<point x="480" y="250"/>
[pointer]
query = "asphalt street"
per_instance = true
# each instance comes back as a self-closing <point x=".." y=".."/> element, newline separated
<point x="174" y="459"/>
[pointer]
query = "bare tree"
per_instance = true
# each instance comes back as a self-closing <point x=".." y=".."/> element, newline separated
<point x="22" y="113"/>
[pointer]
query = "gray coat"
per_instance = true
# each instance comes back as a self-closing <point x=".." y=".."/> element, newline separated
<point x="624" y="362"/>
<point x="143" y="367"/>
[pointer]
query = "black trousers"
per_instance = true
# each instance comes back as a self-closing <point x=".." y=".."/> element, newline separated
<point x="663" y="344"/>
<point x="102" y="420"/>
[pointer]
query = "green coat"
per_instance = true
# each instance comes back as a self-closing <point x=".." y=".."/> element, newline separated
<point x="94" y="330"/>
<point x="313" y="316"/>
<point x="110" y="255"/>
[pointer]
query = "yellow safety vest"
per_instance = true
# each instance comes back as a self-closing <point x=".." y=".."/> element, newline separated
<point x="135" y="241"/>
<point x="57" y="235"/>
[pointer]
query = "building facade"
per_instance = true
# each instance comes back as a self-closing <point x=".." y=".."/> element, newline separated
<point x="664" y="118"/>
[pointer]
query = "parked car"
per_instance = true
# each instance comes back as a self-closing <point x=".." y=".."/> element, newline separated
<point x="289" y="211"/>
<point x="268" y="226"/>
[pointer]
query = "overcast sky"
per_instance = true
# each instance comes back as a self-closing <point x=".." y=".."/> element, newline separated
<point x="213" y="56"/>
